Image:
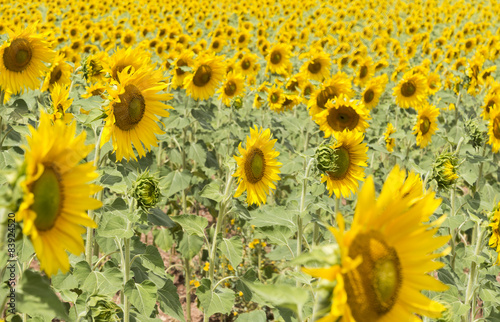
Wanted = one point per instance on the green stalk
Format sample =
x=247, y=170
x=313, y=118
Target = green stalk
x=187, y=267
x=126, y=267
x=90, y=231
x=454, y=231
x=471, y=284
x=480, y=168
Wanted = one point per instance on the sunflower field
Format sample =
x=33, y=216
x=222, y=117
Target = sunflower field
x=257, y=161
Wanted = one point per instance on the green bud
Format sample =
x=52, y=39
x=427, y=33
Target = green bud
x=444, y=170
x=446, y=315
x=237, y=103
x=102, y=309
x=326, y=158
x=474, y=133
x=146, y=191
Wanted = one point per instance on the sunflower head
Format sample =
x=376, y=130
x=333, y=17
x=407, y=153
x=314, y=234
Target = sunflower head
x=146, y=191
x=444, y=170
x=426, y=124
x=208, y=72
x=278, y=59
x=411, y=90
x=474, y=133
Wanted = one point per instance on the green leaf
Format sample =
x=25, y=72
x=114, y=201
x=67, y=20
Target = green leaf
x=190, y=245
x=24, y=249
x=37, y=298
x=152, y=260
x=272, y=216
x=254, y=316
x=159, y=218
x=212, y=191
x=107, y=282
x=142, y=296
x=192, y=224
x=197, y=153
x=220, y=300
x=163, y=238
x=175, y=181
x=232, y=249
x=278, y=235
x=169, y=301
x=114, y=226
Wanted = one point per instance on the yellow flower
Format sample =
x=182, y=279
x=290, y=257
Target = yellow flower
x=373, y=90
x=121, y=59
x=278, y=59
x=494, y=241
x=22, y=59
x=61, y=103
x=57, y=193
x=195, y=283
x=389, y=142
x=426, y=124
x=386, y=255
x=59, y=73
x=233, y=86
x=330, y=89
x=411, y=91
x=318, y=65
x=206, y=268
x=208, y=72
x=494, y=129
x=258, y=168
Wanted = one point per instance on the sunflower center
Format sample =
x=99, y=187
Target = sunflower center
x=48, y=198
x=368, y=95
x=342, y=159
x=202, y=76
x=292, y=86
x=55, y=75
x=131, y=108
x=328, y=93
x=408, y=89
x=345, y=117
x=363, y=71
x=496, y=127
x=425, y=125
x=315, y=66
x=241, y=39
x=275, y=57
x=119, y=69
x=230, y=88
x=255, y=165
x=373, y=287
x=17, y=56
x=489, y=105
x=245, y=64
x=274, y=98
x=179, y=70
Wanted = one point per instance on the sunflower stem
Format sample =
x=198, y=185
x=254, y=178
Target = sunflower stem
x=301, y=210
x=126, y=266
x=187, y=268
x=90, y=231
x=471, y=284
x=478, y=181
x=453, y=231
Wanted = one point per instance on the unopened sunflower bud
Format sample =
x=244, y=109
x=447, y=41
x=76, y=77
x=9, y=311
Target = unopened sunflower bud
x=326, y=158
x=445, y=170
x=102, y=309
x=474, y=133
x=237, y=103
x=146, y=191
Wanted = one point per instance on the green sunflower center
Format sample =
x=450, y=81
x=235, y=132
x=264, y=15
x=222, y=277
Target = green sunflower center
x=315, y=66
x=202, y=76
x=275, y=57
x=342, y=162
x=408, y=89
x=373, y=287
x=344, y=117
x=48, y=200
x=275, y=98
x=55, y=75
x=230, y=88
x=255, y=165
x=368, y=96
x=363, y=71
x=131, y=108
x=17, y=56
x=425, y=125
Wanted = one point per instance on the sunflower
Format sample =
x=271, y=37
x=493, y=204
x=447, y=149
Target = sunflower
x=342, y=114
x=96, y=89
x=133, y=110
x=275, y=98
x=208, y=72
x=22, y=59
x=57, y=193
x=490, y=101
x=233, y=86
x=426, y=124
x=181, y=66
x=332, y=88
x=61, y=103
x=494, y=128
x=411, y=90
x=247, y=64
x=433, y=83
x=59, y=73
x=258, y=168
x=123, y=58
x=278, y=59
x=386, y=255
x=389, y=142
x=350, y=156
x=373, y=90
x=365, y=71
x=494, y=241
x=317, y=67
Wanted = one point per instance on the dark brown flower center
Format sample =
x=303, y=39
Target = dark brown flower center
x=328, y=93
x=55, y=75
x=368, y=95
x=425, y=125
x=202, y=76
x=408, y=89
x=255, y=165
x=245, y=64
x=496, y=127
x=345, y=117
x=179, y=70
x=275, y=57
x=363, y=71
x=17, y=56
x=131, y=108
x=230, y=88
x=315, y=66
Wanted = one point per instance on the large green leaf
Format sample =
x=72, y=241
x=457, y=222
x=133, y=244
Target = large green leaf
x=278, y=235
x=220, y=300
x=37, y=298
x=163, y=238
x=192, y=224
x=212, y=191
x=169, y=301
x=232, y=249
x=114, y=226
x=142, y=296
x=107, y=282
x=175, y=181
x=190, y=245
x=152, y=260
x=254, y=316
x=197, y=153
